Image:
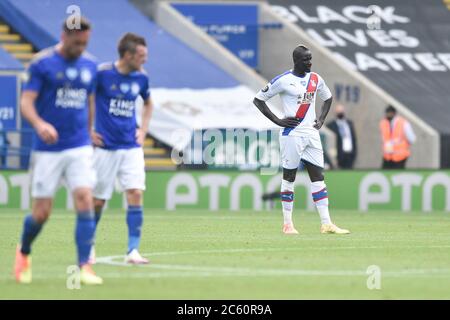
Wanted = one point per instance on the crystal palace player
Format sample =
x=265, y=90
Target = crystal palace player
x=300, y=139
x=55, y=101
x=119, y=142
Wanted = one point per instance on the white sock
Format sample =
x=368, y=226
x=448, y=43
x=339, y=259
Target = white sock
x=320, y=197
x=287, y=200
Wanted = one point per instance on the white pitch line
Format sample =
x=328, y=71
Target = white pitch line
x=109, y=259
x=176, y=270
x=424, y=273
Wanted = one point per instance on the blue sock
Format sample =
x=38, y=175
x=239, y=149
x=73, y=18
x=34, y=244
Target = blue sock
x=84, y=235
x=134, y=222
x=30, y=230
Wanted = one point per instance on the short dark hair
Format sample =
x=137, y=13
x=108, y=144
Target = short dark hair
x=297, y=50
x=390, y=109
x=300, y=46
x=128, y=42
x=85, y=25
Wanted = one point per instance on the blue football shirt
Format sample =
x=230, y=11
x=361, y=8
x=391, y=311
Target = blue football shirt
x=115, y=99
x=63, y=88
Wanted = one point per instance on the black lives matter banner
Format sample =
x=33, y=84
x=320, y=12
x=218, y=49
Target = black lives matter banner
x=403, y=46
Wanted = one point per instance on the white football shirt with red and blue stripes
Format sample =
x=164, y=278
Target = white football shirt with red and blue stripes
x=298, y=95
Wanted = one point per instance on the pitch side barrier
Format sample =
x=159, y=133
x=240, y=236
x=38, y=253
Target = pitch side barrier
x=233, y=190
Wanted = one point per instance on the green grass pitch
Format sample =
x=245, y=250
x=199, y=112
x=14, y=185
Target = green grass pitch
x=199, y=254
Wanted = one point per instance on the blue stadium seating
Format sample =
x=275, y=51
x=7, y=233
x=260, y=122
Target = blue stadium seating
x=171, y=63
x=8, y=62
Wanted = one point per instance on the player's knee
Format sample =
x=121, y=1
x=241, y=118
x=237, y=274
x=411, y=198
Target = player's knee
x=134, y=197
x=41, y=212
x=41, y=216
x=318, y=176
x=83, y=199
x=289, y=175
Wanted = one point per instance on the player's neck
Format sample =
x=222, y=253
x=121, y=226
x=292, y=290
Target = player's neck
x=298, y=73
x=61, y=50
x=122, y=67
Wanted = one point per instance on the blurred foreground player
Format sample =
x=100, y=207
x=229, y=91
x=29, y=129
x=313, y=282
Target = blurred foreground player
x=300, y=139
x=118, y=152
x=55, y=101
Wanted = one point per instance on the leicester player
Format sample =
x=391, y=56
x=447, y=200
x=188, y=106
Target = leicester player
x=55, y=101
x=300, y=139
x=118, y=153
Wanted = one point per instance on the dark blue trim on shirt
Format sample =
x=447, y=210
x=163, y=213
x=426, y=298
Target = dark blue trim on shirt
x=279, y=76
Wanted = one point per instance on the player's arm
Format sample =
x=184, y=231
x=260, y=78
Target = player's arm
x=147, y=112
x=273, y=88
x=326, y=106
x=324, y=94
x=95, y=136
x=265, y=110
x=44, y=129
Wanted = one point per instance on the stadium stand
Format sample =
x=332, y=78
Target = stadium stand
x=403, y=47
x=106, y=33
x=175, y=69
x=15, y=45
x=8, y=62
x=365, y=100
x=188, y=70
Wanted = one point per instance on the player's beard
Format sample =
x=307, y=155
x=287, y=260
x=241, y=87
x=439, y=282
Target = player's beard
x=73, y=54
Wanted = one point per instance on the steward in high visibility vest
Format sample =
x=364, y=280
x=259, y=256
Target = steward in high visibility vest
x=397, y=137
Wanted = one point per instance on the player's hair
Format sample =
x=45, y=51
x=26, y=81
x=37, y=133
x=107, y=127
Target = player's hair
x=128, y=42
x=84, y=25
x=390, y=109
x=300, y=46
x=297, y=50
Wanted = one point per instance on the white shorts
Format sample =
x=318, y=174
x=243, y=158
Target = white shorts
x=294, y=149
x=72, y=167
x=127, y=165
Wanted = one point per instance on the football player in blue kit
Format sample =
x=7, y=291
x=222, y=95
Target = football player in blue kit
x=56, y=99
x=118, y=153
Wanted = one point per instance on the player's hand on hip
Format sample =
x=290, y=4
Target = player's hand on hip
x=289, y=122
x=97, y=139
x=47, y=132
x=318, y=124
x=140, y=136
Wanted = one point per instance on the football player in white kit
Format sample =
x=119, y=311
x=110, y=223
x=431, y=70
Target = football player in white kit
x=299, y=138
